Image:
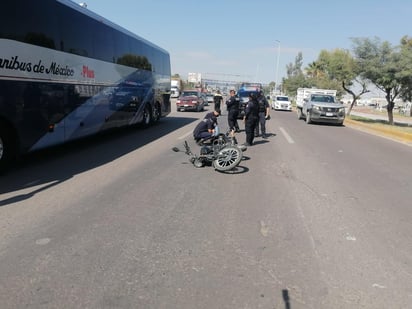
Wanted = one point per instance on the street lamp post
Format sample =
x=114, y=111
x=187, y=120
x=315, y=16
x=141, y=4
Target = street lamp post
x=277, y=65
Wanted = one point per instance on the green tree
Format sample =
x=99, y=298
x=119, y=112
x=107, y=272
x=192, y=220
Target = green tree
x=315, y=70
x=319, y=73
x=340, y=67
x=315, y=75
x=295, y=78
x=291, y=84
x=381, y=64
x=406, y=74
x=269, y=87
x=295, y=69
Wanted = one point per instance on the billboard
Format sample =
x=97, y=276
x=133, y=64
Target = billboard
x=194, y=77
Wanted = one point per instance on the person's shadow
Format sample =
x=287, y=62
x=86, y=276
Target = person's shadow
x=286, y=300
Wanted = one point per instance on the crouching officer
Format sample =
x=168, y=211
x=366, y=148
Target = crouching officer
x=207, y=127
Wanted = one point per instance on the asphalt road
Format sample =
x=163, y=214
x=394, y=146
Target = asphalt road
x=316, y=216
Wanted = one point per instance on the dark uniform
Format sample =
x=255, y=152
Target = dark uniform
x=232, y=105
x=263, y=113
x=205, y=128
x=251, y=119
x=217, y=99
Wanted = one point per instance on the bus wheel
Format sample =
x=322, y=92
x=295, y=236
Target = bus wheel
x=156, y=113
x=6, y=148
x=147, y=116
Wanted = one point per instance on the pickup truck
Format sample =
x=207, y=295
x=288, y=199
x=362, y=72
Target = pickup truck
x=323, y=108
x=304, y=93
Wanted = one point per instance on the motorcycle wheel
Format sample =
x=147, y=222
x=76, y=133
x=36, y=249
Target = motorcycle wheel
x=228, y=158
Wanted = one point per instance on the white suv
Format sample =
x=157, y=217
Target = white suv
x=281, y=102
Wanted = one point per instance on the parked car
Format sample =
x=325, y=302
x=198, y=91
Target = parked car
x=190, y=100
x=204, y=97
x=210, y=97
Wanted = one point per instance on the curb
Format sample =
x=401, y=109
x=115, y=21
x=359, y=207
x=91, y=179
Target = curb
x=396, y=135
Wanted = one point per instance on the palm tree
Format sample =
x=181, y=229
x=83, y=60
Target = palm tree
x=315, y=70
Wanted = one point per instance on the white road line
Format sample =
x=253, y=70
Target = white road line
x=287, y=136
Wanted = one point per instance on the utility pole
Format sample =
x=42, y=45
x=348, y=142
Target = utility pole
x=277, y=65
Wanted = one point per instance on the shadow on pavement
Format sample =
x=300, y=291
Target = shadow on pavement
x=40, y=170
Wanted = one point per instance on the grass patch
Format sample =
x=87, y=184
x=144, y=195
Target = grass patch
x=399, y=131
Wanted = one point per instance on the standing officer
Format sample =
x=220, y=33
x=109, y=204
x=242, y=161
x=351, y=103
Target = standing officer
x=264, y=110
x=232, y=105
x=251, y=119
x=217, y=99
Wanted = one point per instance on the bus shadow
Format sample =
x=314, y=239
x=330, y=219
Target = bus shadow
x=41, y=170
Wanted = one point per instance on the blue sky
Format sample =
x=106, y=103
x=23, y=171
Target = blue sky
x=240, y=40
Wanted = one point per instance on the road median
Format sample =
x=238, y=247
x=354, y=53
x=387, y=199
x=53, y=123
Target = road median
x=401, y=133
